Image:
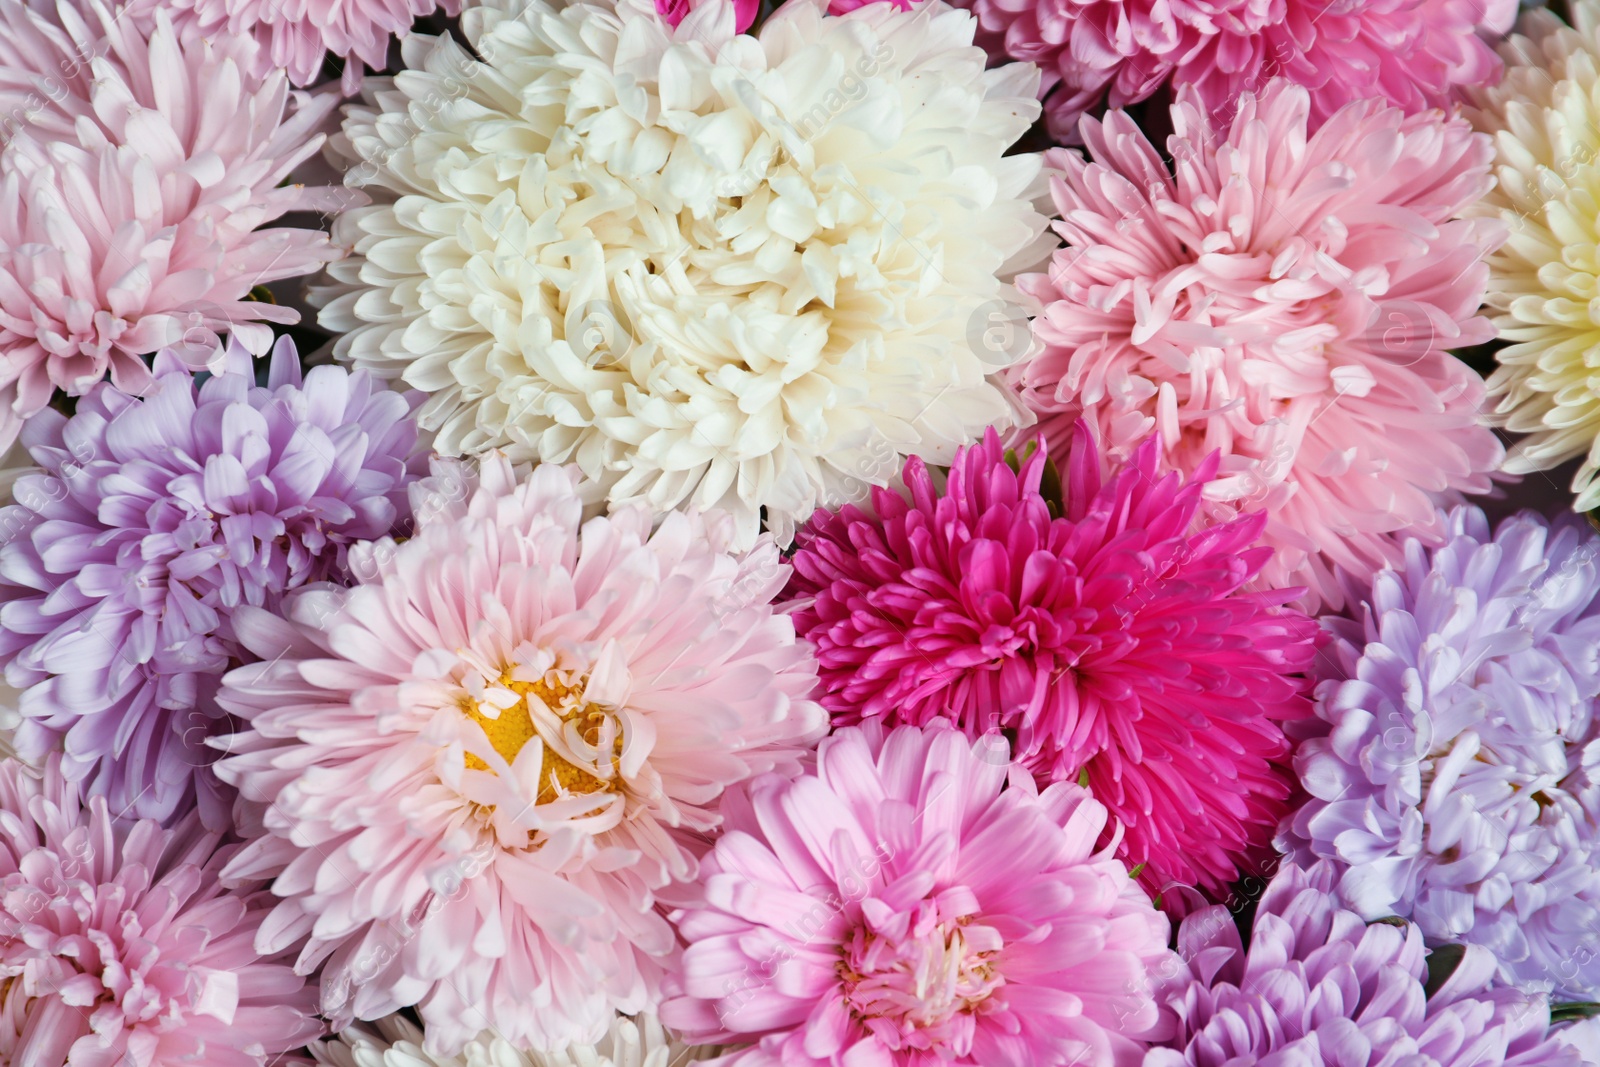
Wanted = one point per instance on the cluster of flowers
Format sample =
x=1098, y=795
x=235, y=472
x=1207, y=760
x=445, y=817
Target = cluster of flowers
x=776, y=565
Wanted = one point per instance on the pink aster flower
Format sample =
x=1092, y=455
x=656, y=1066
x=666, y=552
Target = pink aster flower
x=471, y=774
x=137, y=173
x=120, y=948
x=898, y=906
x=1010, y=605
x=1287, y=299
x=298, y=35
x=1412, y=53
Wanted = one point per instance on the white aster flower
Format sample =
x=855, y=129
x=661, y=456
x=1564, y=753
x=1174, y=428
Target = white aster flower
x=1545, y=118
x=638, y=1041
x=713, y=270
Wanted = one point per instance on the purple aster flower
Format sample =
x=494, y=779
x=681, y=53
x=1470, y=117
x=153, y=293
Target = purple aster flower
x=1318, y=987
x=1454, y=782
x=153, y=518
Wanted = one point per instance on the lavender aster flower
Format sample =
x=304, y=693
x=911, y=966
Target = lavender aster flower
x=152, y=519
x=1455, y=780
x=1320, y=988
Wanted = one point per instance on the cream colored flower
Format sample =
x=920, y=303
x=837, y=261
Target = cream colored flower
x=1545, y=281
x=396, y=1042
x=713, y=270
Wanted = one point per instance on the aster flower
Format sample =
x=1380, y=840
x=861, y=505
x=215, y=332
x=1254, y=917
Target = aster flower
x=1287, y=299
x=396, y=1042
x=895, y=906
x=1050, y=615
x=1317, y=987
x=1541, y=282
x=298, y=37
x=1413, y=54
x=137, y=172
x=717, y=271
x=675, y=10
x=118, y=945
x=481, y=762
x=1454, y=782
x=152, y=519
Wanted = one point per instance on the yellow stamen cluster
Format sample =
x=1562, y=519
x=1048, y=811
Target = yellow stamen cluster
x=514, y=728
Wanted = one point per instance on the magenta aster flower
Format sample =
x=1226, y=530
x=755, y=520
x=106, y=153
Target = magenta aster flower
x=298, y=35
x=474, y=771
x=1054, y=616
x=120, y=948
x=675, y=10
x=897, y=906
x=151, y=520
x=135, y=185
x=1412, y=53
x=1287, y=299
x=1318, y=987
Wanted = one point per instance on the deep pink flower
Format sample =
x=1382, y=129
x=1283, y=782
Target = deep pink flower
x=897, y=908
x=1285, y=297
x=674, y=11
x=120, y=948
x=1413, y=53
x=1093, y=627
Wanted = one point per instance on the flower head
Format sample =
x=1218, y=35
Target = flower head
x=297, y=38
x=1455, y=779
x=1318, y=987
x=138, y=171
x=715, y=271
x=1008, y=604
x=395, y=1042
x=1284, y=298
x=673, y=11
x=476, y=768
x=151, y=520
x=897, y=906
x=1413, y=54
x=120, y=948
x=1543, y=117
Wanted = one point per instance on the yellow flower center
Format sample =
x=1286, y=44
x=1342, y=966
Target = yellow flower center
x=514, y=728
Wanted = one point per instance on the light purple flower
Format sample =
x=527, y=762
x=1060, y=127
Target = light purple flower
x=152, y=519
x=1318, y=987
x=1455, y=780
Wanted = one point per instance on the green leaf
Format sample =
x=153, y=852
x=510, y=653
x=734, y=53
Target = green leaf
x=1586, y=1009
x=1442, y=963
x=1050, y=488
x=1135, y=872
x=1390, y=920
x=261, y=295
x=1083, y=776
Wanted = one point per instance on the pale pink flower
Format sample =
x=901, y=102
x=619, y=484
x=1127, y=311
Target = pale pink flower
x=136, y=173
x=296, y=36
x=910, y=904
x=119, y=947
x=471, y=774
x=1288, y=299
